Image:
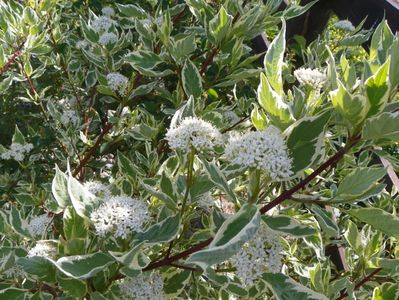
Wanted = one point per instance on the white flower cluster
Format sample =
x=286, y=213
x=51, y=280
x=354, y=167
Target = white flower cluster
x=37, y=226
x=43, y=248
x=108, y=38
x=193, y=132
x=14, y=272
x=17, y=151
x=117, y=82
x=102, y=23
x=69, y=117
x=108, y=11
x=98, y=189
x=264, y=150
x=261, y=254
x=143, y=287
x=344, y=25
x=311, y=77
x=120, y=215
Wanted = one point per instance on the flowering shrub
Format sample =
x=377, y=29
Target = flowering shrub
x=147, y=153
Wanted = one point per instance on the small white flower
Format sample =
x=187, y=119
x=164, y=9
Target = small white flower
x=144, y=287
x=108, y=11
x=310, y=77
x=193, y=132
x=117, y=82
x=261, y=254
x=344, y=25
x=17, y=151
x=38, y=225
x=98, y=189
x=44, y=248
x=14, y=272
x=264, y=150
x=83, y=44
x=120, y=215
x=69, y=117
x=108, y=38
x=102, y=23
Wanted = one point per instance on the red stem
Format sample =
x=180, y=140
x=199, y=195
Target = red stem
x=360, y=283
x=208, y=60
x=11, y=60
x=106, y=128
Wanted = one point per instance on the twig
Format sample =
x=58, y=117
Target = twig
x=360, y=283
x=106, y=128
x=208, y=60
x=12, y=59
x=234, y=125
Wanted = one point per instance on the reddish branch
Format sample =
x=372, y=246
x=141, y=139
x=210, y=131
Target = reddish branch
x=360, y=283
x=106, y=128
x=11, y=60
x=284, y=196
x=208, y=60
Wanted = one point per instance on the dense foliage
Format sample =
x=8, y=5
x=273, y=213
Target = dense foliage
x=148, y=153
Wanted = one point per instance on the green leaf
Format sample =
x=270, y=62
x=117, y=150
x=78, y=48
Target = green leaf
x=131, y=10
x=358, y=182
x=353, y=238
x=288, y=225
x=38, y=266
x=127, y=167
x=105, y=90
x=169, y=202
x=25, y=199
x=378, y=219
x=385, y=126
x=175, y=282
x=133, y=259
x=18, y=224
x=40, y=49
x=84, y=266
x=143, y=60
x=218, y=178
x=394, y=67
x=219, y=26
x=164, y=231
x=285, y=288
x=306, y=140
x=234, y=232
x=273, y=61
x=74, y=225
x=325, y=220
x=18, y=137
x=183, y=47
x=377, y=89
x=386, y=291
x=59, y=188
x=353, y=108
x=276, y=109
x=191, y=80
x=73, y=287
x=82, y=200
x=13, y=293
